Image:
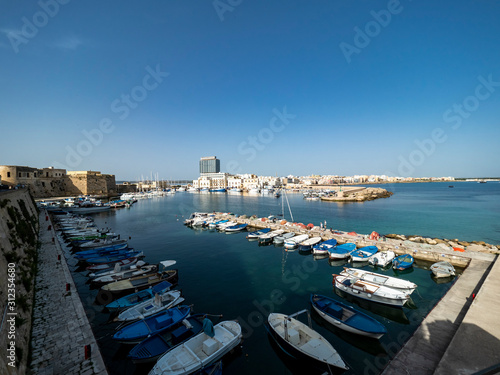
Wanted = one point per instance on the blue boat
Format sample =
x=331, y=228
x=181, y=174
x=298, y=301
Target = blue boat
x=150, y=349
x=221, y=190
x=116, y=246
x=258, y=233
x=346, y=317
x=402, y=262
x=341, y=251
x=138, y=297
x=114, y=258
x=324, y=247
x=136, y=332
x=364, y=254
x=236, y=228
x=101, y=253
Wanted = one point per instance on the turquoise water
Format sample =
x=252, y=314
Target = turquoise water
x=226, y=274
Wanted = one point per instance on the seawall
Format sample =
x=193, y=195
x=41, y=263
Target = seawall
x=18, y=263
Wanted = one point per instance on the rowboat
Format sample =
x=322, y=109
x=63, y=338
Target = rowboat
x=402, y=262
x=137, y=283
x=159, y=302
x=199, y=351
x=114, y=258
x=236, y=228
x=293, y=242
x=370, y=291
x=153, y=347
x=300, y=341
x=442, y=269
x=324, y=247
x=118, y=273
x=135, y=332
x=380, y=279
x=308, y=244
x=110, y=265
x=82, y=255
x=257, y=233
x=347, y=318
x=282, y=238
x=103, y=244
x=138, y=297
x=341, y=251
x=269, y=237
x=363, y=254
x=382, y=258
x=214, y=224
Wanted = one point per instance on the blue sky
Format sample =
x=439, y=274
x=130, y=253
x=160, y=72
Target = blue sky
x=270, y=87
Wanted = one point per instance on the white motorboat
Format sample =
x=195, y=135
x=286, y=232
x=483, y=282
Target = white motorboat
x=443, y=269
x=379, y=279
x=382, y=258
x=159, y=302
x=293, y=242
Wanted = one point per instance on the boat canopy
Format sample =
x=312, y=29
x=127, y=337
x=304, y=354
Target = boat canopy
x=164, y=285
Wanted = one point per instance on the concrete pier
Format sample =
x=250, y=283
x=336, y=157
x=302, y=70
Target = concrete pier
x=60, y=330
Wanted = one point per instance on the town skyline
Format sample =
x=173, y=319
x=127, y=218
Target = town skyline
x=395, y=88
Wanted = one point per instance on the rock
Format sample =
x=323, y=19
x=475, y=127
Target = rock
x=417, y=239
x=430, y=241
x=463, y=243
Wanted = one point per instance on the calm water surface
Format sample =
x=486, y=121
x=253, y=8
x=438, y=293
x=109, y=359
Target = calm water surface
x=226, y=274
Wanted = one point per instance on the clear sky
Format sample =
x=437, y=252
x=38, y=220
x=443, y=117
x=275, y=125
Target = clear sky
x=270, y=87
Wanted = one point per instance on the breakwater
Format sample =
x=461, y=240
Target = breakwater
x=400, y=245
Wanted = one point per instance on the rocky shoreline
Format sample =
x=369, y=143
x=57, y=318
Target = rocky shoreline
x=365, y=194
x=455, y=244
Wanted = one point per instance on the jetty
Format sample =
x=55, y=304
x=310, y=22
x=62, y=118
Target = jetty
x=461, y=334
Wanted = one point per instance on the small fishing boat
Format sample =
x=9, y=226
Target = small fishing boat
x=269, y=237
x=214, y=224
x=256, y=234
x=347, y=318
x=382, y=258
x=120, y=272
x=364, y=254
x=324, y=247
x=137, y=283
x=342, y=251
x=443, y=269
x=114, y=258
x=308, y=244
x=159, y=302
x=103, y=244
x=138, y=297
x=222, y=227
x=370, y=291
x=300, y=341
x=380, y=279
x=153, y=347
x=200, y=351
x=111, y=265
x=282, y=238
x=135, y=332
x=236, y=228
x=82, y=255
x=293, y=242
x=402, y=262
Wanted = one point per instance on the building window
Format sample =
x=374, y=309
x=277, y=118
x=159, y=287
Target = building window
x=8, y=174
x=43, y=184
x=46, y=174
x=19, y=174
x=34, y=174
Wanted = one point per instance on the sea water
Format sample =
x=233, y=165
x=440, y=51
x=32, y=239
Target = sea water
x=227, y=274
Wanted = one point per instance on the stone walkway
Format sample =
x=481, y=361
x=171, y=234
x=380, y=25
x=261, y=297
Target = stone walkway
x=60, y=328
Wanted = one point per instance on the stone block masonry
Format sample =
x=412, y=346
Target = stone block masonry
x=60, y=328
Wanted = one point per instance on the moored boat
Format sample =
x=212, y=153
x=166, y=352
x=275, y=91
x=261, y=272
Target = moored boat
x=269, y=237
x=380, y=279
x=138, y=297
x=293, y=242
x=154, y=305
x=363, y=254
x=346, y=317
x=324, y=247
x=341, y=251
x=370, y=291
x=308, y=244
x=442, y=269
x=382, y=258
x=199, y=351
x=402, y=262
x=283, y=237
x=236, y=228
x=256, y=234
x=300, y=341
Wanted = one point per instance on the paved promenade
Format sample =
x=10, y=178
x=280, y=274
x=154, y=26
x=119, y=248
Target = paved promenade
x=60, y=328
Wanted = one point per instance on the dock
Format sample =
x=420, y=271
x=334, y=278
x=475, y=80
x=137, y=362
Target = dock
x=62, y=340
x=461, y=334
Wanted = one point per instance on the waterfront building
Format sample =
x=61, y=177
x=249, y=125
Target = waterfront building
x=212, y=181
x=53, y=182
x=209, y=164
x=234, y=182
